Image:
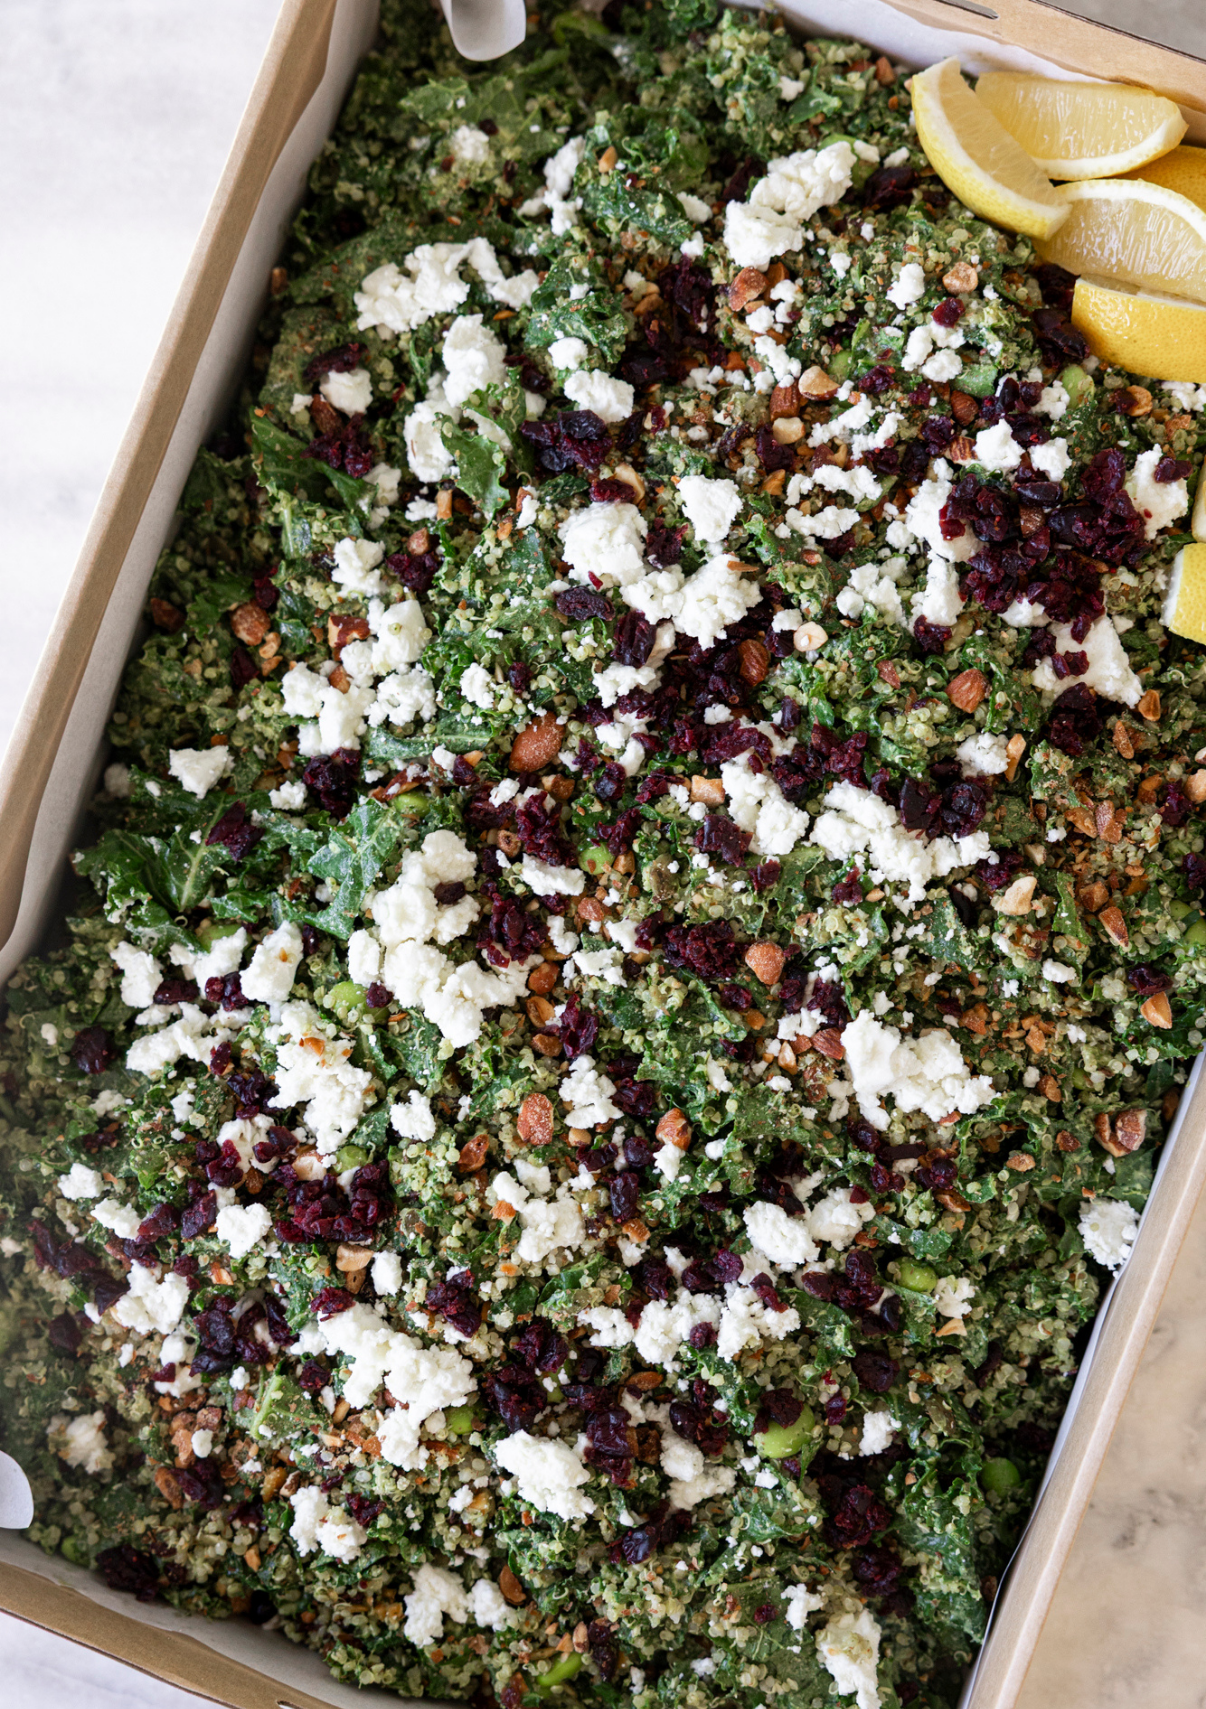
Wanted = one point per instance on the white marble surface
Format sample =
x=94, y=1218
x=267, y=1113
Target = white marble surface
x=115, y=116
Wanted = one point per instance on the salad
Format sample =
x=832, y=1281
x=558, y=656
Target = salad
x=641, y=934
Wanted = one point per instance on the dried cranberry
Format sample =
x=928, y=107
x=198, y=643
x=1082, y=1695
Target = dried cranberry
x=1171, y=469
x=719, y=835
x=128, y=1569
x=92, y=1050
x=875, y=1371
x=625, y=1194
x=332, y=779
x=580, y=603
x=663, y=544
x=243, y=668
x=328, y=1302
x=950, y=311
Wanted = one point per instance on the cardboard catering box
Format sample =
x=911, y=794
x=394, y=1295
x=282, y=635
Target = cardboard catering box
x=56, y=753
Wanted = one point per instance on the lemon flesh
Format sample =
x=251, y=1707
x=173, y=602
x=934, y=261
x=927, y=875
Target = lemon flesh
x=1161, y=337
x=1134, y=233
x=1082, y=130
x=977, y=159
x=1185, y=603
x=1197, y=522
x=1182, y=170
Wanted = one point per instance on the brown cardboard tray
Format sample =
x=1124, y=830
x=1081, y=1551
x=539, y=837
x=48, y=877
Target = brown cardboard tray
x=54, y=758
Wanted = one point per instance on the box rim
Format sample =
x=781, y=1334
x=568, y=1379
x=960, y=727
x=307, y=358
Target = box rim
x=28, y=758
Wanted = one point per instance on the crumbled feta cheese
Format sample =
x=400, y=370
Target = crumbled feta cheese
x=81, y=1441
x=549, y=1474
x=314, y=1070
x=198, y=769
x=878, y=1428
x=413, y=1119
x=996, y=448
x=801, y=1602
x=953, y=1296
x=858, y=822
x=477, y=686
x=395, y=303
x=240, y=1227
x=1052, y=459
x=473, y=358
x=1159, y=503
x=772, y=221
x=356, y=566
x=701, y=606
x=273, y=968
x=982, y=755
x=80, y=1182
x=784, y=1239
x=848, y=1649
x=927, y=1073
x=908, y=287
x=1108, y=1228
x=141, y=975
x=318, y=1525
x=610, y=399
x=290, y=797
x=606, y=541
x=151, y=1305
x=352, y=392
x=1109, y=670
x=711, y=506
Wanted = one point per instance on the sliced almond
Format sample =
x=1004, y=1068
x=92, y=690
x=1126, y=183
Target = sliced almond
x=967, y=689
x=674, y=1129
x=808, y=638
x=748, y=285
x=1149, y=706
x=1157, y=1012
x=1114, y=925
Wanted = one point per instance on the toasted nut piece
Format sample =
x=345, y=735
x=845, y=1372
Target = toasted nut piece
x=787, y=430
x=165, y=616
x=548, y=1044
x=542, y=979
x=674, y=1129
x=350, y=1258
x=625, y=863
x=808, y=638
x=774, y=482
x=444, y=504
x=340, y=679
x=219, y=1274
x=967, y=689
x=538, y=745
x=1148, y=789
x=168, y=1485
x=534, y=1123
x=754, y=1020
x=1114, y=925
x=504, y=1211
x=342, y=629
x=1169, y=1103
x=815, y=383
x=1156, y=1011
x=765, y=961
x=1016, y=900
x=540, y=1011
x=626, y=473
x=975, y=1019
x=962, y=450
x=748, y=284
x=1130, y=1130
x=952, y=1201
x=1082, y=820
x=1021, y=1161
x=509, y=843
x=787, y=1059
x=965, y=409
x=473, y=1153
x=960, y=279
x=607, y=160
x=590, y=908
x=755, y=662
x=581, y=1645
x=887, y=672
x=829, y=1042
x=784, y=402
x=709, y=790
x=1065, y=1141
x=1195, y=787
x=250, y=623
x=1049, y=1087
x=1093, y=897
x=1149, y=706
x=1121, y=738
x=274, y=1477
x=1015, y=747
x=277, y=280
x=884, y=73
x=511, y=1587
x=952, y=1326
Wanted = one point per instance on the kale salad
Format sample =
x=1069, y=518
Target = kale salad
x=640, y=940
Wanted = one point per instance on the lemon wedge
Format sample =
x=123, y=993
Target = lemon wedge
x=1082, y=130
x=1185, y=602
x=976, y=157
x=1131, y=232
x=1197, y=522
x=1161, y=337
x=1182, y=170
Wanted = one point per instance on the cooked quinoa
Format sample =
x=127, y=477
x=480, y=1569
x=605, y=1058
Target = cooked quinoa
x=640, y=938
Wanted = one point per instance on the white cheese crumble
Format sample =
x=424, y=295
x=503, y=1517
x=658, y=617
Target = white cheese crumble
x=1159, y=503
x=240, y=1227
x=273, y=968
x=848, y=1649
x=549, y=1474
x=1108, y=1228
x=1109, y=670
x=711, y=506
x=927, y=1073
x=81, y=1441
x=610, y=399
x=198, y=769
x=857, y=822
x=878, y=1428
x=394, y=301
x=772, y=221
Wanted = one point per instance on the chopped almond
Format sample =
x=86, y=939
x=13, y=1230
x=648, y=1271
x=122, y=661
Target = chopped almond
x=1015, y=747
x=1149, y=706
x=829, y=1042
x=765, y=961
x=674, y=1129
x=709, y=790
x=1121, y=738
x=1157, y=1011
x=967, y=689
x=1016, y=900
x=815, y=383
x=960, y=279
x=250, y=623
x=473, y=1153
x=784, y=401
x=538, y=745
x=1114, y=925
x=748, y=285
x=534, y=1123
